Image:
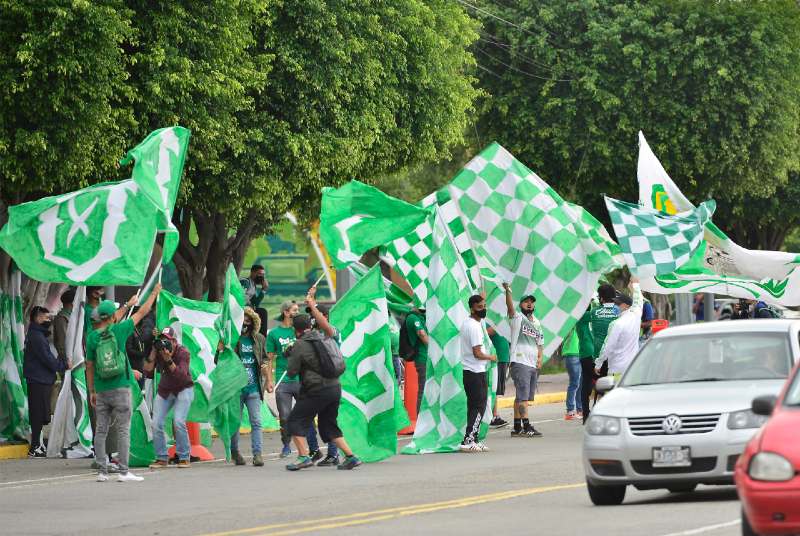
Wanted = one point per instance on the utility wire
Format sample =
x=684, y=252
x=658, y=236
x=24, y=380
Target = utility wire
x=520, y=71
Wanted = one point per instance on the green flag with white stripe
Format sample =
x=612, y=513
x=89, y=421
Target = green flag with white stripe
x=14, y=423
x=371, y=411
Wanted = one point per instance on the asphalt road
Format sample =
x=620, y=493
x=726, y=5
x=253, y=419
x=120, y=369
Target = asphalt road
x=523, y=486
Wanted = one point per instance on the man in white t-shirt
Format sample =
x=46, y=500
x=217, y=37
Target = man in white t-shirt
x=527, y=348
x=474, y=361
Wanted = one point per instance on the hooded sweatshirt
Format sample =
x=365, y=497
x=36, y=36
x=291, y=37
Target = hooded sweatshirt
x=40, y=365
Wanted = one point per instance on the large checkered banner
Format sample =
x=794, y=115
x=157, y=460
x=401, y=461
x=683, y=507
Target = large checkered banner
x=521, y=230
x=654, y=243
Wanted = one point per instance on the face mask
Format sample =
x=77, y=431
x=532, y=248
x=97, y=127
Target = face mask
x=481, y=313
x=246, y=328
x=46, y=324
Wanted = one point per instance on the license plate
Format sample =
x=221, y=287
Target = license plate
x=672, y=457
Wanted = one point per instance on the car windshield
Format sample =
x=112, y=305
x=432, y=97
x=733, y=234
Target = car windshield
x=711, y=357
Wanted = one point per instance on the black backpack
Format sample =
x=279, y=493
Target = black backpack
x=331, y=360
x=406, y=350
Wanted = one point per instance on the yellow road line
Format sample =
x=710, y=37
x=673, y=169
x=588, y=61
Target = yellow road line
x=361, y=518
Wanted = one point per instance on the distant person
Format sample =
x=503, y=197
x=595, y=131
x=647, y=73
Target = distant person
x=140, y=344
x=60, y=325
x=94, y=296
x=597, y=319
x=474, y=361
x=744, y=309
x=648, y=314
x=417, y=333
x=622, y=341
x=39, y=368
x=255, y=290
x=570, y=351
x=279, y=339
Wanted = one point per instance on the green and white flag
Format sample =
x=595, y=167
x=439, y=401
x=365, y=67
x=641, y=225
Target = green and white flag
x=14, y=423
x=371, y=411
x=443, y=414
x=159, y=161
x=398, y=300
x=654, y=243
x=358, y=217
x=142, y=451
x=196, y=327
x=719, y=265
x=233, y=304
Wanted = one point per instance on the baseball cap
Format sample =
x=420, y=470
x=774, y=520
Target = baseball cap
x=528, y=297
x=623, y=298
x=106, y=309
x=168, y=333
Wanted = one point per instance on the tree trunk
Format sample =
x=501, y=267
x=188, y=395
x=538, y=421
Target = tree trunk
x=225, y=249
x=190, y=259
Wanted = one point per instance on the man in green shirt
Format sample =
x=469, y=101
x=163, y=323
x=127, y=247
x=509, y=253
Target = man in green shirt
x=279, y=339
x=598, y=319
x=111, y=395
x=418, y=338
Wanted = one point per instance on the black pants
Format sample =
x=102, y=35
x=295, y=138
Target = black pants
x=323, y=404
x=587, y=378
x=477, y=393
x=38, y=409
x=420, y=366
x=502, y=370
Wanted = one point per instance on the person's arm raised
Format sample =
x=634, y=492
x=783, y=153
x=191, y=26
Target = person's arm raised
x=147, y=305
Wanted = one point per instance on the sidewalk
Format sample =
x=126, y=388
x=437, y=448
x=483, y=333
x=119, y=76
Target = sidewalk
x=551, y=389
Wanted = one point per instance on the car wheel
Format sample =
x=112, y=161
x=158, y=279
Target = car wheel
x=606, y=495
x=682, y=488
x=747, y=530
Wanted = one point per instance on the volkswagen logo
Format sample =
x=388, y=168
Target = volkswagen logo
x=671, y=424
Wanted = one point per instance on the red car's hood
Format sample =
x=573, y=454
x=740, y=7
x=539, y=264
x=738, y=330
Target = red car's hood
x=781, y=434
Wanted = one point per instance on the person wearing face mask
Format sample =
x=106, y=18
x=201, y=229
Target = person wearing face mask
x=251, y=349
x=39, y=368
x=279, y=339
x=527, y=349
x=94, y=295
x=474, y=361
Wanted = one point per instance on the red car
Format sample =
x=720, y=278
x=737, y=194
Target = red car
x=767, y=473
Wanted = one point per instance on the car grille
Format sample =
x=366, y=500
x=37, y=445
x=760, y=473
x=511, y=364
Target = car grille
x=691, y=424
x=699, y=465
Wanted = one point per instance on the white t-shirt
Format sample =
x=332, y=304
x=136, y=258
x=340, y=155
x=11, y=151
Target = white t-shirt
x=471, y=336
x=529, y=337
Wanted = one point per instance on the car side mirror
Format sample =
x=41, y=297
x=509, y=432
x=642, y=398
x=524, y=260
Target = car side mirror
x=764, y=405
x=604, y=384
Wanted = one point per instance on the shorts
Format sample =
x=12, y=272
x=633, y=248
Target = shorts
x=502, y=369
x=525, y=378
x=322, y=404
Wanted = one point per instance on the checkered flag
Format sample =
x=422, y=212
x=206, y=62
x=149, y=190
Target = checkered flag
x=654, y=243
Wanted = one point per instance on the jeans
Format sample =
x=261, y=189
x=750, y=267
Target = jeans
x=113, y=406
x=162, y=405
x=253, y=403
x=573, y=364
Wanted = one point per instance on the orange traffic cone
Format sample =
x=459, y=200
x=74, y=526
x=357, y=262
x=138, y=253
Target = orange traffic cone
x=198, y=451
x=410, y=397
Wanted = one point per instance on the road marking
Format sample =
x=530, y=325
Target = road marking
x=707, y=528
x=361, y=518
x=46, y=479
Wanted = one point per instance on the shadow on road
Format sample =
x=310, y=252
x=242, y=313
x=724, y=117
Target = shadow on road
x=722, y=494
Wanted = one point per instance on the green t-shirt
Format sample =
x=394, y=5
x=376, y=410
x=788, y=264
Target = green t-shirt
x=501, y=347
x=600, y=318
x=414, y=323
x=585, y=340
x=571, y=346
x=278, y=339
x=87, y=320
x=250, y=365
x=121, y=331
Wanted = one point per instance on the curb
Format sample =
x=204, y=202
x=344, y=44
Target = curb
x=505, y=402
x=13, y=452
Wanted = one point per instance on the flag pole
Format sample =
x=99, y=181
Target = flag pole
x=281, y=379
x=320, y=278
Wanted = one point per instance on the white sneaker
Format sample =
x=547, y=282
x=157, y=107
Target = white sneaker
x=102, y=477
x=128, y=477
x=482, y=446
x=469, y=447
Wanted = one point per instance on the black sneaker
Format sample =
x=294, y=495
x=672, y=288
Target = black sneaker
x=498, y=422
x=531, y=432
x=302, y=463
x=38, y=452
x=350, y=462
x=518, y=433
x=329, y=461
x=316, y=455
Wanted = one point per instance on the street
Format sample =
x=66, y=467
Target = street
x=523, y=486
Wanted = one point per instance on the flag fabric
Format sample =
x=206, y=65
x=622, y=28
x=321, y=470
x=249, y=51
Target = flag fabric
x=358, y=217
x=397, y=299
x=719, y=265
x=14, y=423
x=233, y=304
x=371, y=411
x=654, y=243
x=196, y=327
x=443, y=414
x=71, y=429
x=142, y=451
x=158, y=167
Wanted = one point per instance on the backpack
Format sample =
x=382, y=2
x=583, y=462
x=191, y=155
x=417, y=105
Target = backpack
x=109, y=361
x=407, y=350
x=331, y=360
x=771, y=311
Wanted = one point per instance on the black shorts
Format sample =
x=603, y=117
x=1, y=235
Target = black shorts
x=323, y=404
x=502, y=369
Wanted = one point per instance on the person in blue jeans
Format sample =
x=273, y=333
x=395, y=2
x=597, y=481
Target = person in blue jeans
x=570, y=351
x=175, y=392
x=251, y=349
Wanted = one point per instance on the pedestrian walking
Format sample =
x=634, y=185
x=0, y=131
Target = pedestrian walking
x=570, y=351
x=108, y=377
x=474, y=361
x=527, y=354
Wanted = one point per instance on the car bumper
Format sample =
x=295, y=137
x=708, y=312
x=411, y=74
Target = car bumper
x=713, y=456
x=771, y=507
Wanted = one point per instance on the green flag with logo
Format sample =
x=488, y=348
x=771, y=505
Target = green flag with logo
x=358, y=217
x=371, y=411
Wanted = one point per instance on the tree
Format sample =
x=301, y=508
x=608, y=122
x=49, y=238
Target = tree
x=63, y=112
x=715, y=86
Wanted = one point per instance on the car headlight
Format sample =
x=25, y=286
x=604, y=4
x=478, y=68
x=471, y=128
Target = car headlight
x=771, y=467
x=602, y=425
x=739, y=420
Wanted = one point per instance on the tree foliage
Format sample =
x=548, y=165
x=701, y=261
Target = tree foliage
x=715, y=86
